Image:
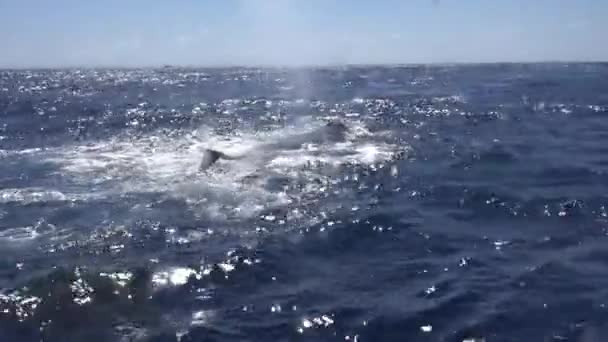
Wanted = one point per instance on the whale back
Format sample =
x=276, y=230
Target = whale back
x=331, y=132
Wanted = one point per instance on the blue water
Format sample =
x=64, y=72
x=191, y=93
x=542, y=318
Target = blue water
x=465, y=203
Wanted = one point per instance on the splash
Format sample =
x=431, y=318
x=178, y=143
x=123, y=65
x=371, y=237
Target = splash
x=154, y=173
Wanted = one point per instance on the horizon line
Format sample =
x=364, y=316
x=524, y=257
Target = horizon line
x=293, y=66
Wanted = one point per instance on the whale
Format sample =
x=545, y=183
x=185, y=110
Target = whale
x=210, y=156
x=333, y=131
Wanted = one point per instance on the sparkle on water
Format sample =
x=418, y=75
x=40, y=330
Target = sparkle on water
x=467, y=190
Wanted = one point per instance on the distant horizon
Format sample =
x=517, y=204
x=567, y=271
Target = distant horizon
x=294, y=66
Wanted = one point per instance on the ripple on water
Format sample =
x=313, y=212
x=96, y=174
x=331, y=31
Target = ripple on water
x=466, y=204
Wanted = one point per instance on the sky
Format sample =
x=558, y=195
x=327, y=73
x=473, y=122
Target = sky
x=140, y=33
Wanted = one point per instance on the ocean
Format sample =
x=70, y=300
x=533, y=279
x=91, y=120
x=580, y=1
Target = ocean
x=462, y=203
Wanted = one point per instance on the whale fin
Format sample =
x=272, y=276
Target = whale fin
x=211, y=156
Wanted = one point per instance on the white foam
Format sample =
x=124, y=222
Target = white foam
x=176, y=276
x=168, y=165
x=18, y=234
x=30, y=195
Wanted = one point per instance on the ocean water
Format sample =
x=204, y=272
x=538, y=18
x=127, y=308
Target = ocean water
x=464, y=203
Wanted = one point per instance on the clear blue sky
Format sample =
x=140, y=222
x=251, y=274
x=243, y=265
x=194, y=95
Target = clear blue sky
x=43, y=33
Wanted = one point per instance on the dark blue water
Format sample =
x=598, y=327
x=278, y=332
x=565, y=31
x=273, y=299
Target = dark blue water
x=466, y=203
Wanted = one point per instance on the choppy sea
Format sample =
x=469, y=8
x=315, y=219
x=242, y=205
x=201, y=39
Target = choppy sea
x=465, y=203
